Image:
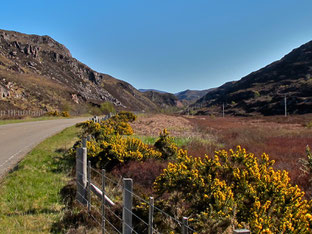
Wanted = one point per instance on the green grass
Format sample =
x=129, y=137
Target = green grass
x=31, y=119
x=29, y=196
x=150, y=140
x=10, y=121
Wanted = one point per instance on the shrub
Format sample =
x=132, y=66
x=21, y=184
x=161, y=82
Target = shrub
x=118, y=150
x=124, y=116
x=306, y=164
x=53, y=113
x=309, y=124
x=57, y=113
x=110, y=147
x=65, y=114
x=143, y=173
x=107, y=107
x=165, y=144
x=118, y=124
x=236, y=185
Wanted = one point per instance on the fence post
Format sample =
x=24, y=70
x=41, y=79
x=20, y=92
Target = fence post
x=241, y=231
x=127, y=206
x=89, y=186
x=103, y=201
x=184, y=225
x=81, y=174
x=150, y=215
x=84, y=142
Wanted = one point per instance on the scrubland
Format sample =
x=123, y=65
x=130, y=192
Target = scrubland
x=222, y=173
x=284, y=139
x=210, y=169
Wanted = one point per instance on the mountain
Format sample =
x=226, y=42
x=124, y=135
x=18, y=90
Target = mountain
x=263, y=91
x=180, y=99
x=155, y=90
x=163, y=100
x=190, y=96
x=36, y=72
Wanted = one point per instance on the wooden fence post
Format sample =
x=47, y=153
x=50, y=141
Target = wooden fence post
x=150, y=215
x=103, y=201
x=127, y=206
x=89, y=186
x=81, y=174
x=184, y=225
x=84, y=142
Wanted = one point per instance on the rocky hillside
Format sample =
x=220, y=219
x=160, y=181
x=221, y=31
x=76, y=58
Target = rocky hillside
x=36, y=72
x=263, y=91
x=163, y=99
x=183, y=98
x=190, y=96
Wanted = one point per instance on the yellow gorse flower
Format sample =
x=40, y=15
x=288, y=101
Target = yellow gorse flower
x=237, y=180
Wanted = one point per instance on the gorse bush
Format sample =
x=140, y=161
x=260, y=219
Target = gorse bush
x=57, y=113
x=231, y=189
x=117, y=150
x=106, y=128
x=238, y=186
x=165, y=144
x=110, y=146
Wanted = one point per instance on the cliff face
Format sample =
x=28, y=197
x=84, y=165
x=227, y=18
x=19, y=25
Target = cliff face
x=263, y=91
x=39, y=72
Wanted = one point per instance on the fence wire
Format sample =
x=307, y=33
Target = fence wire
x=108, y=215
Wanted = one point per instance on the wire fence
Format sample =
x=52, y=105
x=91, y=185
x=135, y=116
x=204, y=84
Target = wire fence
x=21, y=113
x=116, y=205
x=121, y=216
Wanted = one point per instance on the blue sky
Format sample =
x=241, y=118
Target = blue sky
x=170, y=45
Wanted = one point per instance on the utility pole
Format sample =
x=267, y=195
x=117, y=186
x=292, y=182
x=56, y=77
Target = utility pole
x=285, y=103
x=223, y=109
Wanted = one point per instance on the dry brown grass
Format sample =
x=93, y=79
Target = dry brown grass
x=284, y=139
x=152, y=125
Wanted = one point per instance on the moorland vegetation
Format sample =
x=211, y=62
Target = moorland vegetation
x=232, y=188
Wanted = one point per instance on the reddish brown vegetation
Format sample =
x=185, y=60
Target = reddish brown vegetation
x=142, y=173
x=284, y=139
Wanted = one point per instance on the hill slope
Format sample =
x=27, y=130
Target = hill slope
x=190, y=96
x=163, y=100
x=263, y=91
x=36, y=72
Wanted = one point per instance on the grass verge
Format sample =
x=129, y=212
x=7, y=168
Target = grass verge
x=28, y=119
x=31, y=119
x=29, y=196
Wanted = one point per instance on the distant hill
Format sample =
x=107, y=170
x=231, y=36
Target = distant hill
x=190, y=96
x=163, y=100
x=263, y=91
x=155, y=90
x=183, y=98
x=36, y=72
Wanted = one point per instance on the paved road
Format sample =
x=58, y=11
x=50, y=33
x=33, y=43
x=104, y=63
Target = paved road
x=16, y=140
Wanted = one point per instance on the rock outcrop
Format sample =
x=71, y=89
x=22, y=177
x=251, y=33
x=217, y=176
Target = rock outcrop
x=46, y=74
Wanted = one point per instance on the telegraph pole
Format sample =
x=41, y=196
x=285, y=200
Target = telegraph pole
x=223, y=109
x=285, y=103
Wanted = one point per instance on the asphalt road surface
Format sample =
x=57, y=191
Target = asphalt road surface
x=16, y=140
